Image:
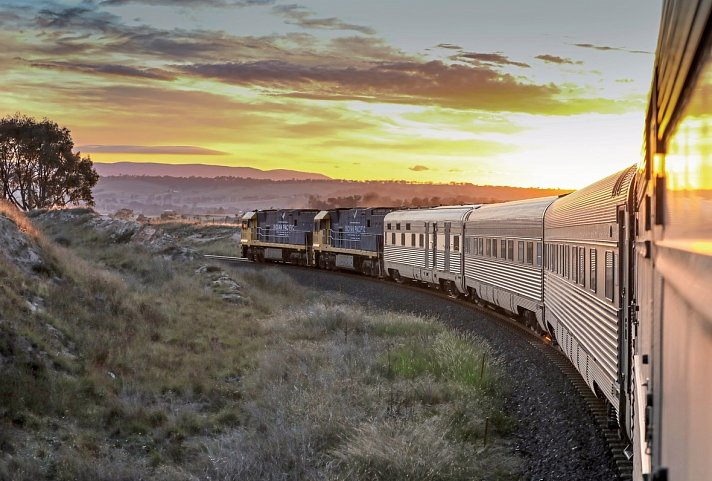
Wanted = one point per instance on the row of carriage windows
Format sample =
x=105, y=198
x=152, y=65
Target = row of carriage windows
x=511, y=250
x=389, y=226
x=417, y=240
x=570, y=262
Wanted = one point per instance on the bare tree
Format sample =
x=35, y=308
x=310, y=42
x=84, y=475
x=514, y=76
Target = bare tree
x=38, y=167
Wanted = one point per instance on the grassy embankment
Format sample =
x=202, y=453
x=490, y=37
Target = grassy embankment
x=128, y=366
x=216, y=239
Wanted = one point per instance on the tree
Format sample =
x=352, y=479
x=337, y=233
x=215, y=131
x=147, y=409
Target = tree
x=38, y=167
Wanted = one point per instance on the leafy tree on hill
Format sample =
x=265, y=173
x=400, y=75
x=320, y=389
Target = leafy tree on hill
x=38, y=167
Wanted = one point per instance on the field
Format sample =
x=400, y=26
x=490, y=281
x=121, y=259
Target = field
x=119, y=363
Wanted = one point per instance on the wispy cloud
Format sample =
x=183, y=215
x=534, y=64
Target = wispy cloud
x=449, y=46
x=556, y=59
x=606, y=48
x=303, y=17
x=490, y=58
x=409, y=82
x=418, y=168
x=149, y=149
x=107, y=69
x=190, y=3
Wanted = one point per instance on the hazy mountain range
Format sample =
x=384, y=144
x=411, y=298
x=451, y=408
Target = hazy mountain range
x=152, y=195
x=199, y=170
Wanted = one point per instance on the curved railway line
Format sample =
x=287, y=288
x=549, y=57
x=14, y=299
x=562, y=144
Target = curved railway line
x=511, y=329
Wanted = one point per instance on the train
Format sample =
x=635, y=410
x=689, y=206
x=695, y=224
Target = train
x=617, y=273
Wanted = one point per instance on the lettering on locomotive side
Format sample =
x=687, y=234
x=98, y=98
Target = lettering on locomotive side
x=283, y=229
x=355, y=229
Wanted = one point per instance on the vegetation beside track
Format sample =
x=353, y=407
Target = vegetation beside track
x=119, y=363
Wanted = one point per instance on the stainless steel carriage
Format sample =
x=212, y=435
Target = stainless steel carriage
x=672, y=359
x=587, y=284
x=426, y=245
x=503, y=254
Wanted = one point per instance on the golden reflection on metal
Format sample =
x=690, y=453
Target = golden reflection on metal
x=658, y=163
x=692, y=246
x=688, y=170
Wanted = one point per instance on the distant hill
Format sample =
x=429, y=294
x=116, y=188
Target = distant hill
x=199, y=170
x=228, y=195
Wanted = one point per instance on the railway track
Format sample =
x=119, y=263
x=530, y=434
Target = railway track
x=596, y=407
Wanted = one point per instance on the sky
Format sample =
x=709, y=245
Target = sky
x=548, y=93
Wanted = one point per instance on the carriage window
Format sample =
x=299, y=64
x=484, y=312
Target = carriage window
x=402, y=239
x=593, y=281
x=557, y=259
x=503, y=250
x=539, y=254
x=295, y=222
x=574, y=262
x=567, y=260
x=393, y=238
x=480, y=246
x=422, y=240
x=456, y=243
x=510, y=250
x=530, y=253
x=368, y=222
x=388, y=226
x=582, y=266
x=610, y=264
x=398, y=226
x=488, y=247
x=412, y=240
x=494, y=247
x=520, y=251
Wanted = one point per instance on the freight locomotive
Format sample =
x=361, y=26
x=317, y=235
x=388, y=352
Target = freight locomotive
x=618, y=273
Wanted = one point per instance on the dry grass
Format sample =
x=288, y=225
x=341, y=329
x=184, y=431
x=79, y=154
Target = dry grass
x=129, y=367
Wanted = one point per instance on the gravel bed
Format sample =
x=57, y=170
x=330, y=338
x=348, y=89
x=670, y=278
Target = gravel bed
x=556, y=437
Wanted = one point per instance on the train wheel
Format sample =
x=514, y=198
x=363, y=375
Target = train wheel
x=451, y=290
x=474, y=297
x=397, y=277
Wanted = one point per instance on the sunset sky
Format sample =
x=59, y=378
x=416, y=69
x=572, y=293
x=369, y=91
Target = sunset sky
x=547, y=93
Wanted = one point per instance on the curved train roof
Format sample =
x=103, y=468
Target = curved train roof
x=436, y=214
x=527, y=211
x=595, y=204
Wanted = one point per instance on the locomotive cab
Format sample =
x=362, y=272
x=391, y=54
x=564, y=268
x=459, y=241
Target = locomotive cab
x=322, y=225
x=247, y=231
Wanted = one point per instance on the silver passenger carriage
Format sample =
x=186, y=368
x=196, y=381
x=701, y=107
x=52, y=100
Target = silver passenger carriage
x=350, y=239
x=672, y=362
x=283, y=235
x=426, y=245
x=504, y=256
x=587, y=283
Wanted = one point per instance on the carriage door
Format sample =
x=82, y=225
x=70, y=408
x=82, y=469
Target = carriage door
x=434, y=245
x=624, y=321
x=424, y=247
x=448, y=225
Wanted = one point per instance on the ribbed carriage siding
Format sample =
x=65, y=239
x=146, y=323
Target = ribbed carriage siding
x=512, y=279
x=426, y=244
x=582, y=304
x=349, y=237
x=673, y=348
